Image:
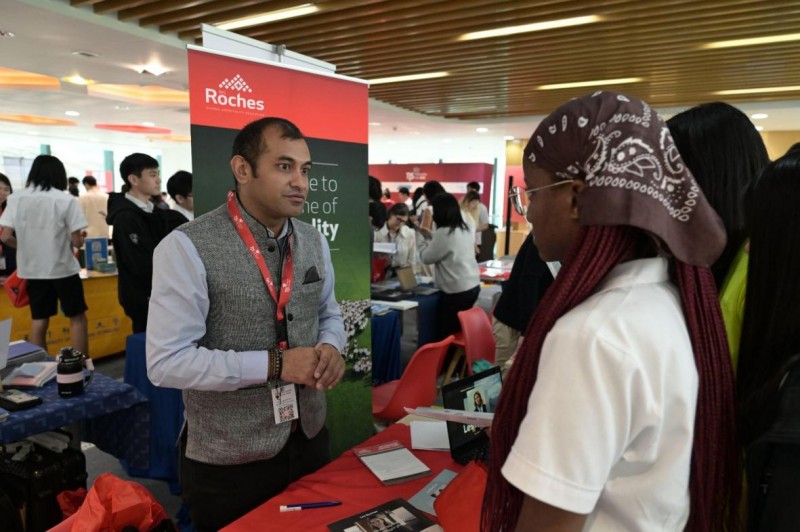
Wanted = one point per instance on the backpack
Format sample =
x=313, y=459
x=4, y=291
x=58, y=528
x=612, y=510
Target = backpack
x=773, y=467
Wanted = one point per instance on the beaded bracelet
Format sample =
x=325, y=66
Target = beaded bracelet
x=275, y=363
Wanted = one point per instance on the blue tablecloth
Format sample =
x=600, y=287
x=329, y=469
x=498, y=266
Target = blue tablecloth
x=386, y=363
x=113, y=415
x=166, y=416
x=426, y=318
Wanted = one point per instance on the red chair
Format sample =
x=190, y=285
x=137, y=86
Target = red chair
x=478, y=336
x=416, y=387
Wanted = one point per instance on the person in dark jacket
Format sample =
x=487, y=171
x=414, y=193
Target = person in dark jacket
x=139, y=225
x=526, y=284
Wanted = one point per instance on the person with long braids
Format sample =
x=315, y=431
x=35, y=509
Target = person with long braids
x=619, y=411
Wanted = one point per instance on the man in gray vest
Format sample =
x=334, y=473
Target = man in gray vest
x=244, y=320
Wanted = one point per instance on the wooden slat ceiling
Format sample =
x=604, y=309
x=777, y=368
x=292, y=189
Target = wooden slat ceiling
x=658, y=41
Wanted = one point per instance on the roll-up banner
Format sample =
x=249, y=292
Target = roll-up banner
x=228, y=91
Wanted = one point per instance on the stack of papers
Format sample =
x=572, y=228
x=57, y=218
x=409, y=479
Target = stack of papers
x=429, y=436
x=31, y=374
x=391, y=462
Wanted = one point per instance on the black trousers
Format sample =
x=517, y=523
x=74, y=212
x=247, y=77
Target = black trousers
x=449, y=307
x=217, y=495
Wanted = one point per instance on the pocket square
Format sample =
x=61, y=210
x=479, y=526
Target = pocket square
x=311, y=276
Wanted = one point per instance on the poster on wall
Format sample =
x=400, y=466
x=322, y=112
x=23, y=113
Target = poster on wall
x=226, y=93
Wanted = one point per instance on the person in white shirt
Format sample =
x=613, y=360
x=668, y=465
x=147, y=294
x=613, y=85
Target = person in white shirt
x=450, y=249
x=405, y=196
x=95, y=208
x=48, y=223
x=179, y=187
x=396, y=230
x=476, y=214
x=618, y=412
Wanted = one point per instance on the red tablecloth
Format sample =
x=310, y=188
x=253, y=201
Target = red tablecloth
x=345, y=479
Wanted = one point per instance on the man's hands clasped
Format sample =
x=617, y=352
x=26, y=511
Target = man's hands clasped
x=320, y=366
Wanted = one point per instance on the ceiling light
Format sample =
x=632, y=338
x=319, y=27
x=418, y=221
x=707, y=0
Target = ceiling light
x=77, y=79
x=409, y=77
x=374, y=123
x=392, y=142
x=84, y=53
x=759, y=128
x=508, y=137
x=32, y=133
x=447, y=140
x=72, y=113
x=758, y=116
x=525, y=28
x=595, y=83
x=761, y=90
x=151, y=68
x=753, y=41
x=148, y=124
x=482, y=129
x=122, y=108
x=265, y=18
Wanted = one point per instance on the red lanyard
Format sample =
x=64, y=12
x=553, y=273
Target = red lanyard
x=287, y=277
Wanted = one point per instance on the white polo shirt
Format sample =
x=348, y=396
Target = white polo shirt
x=44, y=221
x=611, y=418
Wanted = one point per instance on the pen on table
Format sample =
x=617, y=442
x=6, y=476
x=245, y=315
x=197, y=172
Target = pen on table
x=307, y=505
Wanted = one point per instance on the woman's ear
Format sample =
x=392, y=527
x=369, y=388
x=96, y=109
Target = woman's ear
x=576, y=187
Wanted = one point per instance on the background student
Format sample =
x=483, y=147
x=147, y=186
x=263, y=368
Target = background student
x=48, y=223
x=725, y=153
x=139, y=225
x=768, y=378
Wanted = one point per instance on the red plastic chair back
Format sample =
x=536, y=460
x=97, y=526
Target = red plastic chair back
x=416, y=387
x=478, y=337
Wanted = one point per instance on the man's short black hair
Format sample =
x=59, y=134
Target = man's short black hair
x=73, y=181
x=89, y=181
x=180, y=184
x=135, y=164
x=474, y=185
x=249, y=141
x=404, y=190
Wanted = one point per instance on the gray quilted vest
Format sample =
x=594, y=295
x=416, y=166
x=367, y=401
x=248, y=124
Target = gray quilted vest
x=239, y=426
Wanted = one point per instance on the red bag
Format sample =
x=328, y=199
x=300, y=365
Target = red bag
x=113, y=504
x=17, y=290
x=458, y=506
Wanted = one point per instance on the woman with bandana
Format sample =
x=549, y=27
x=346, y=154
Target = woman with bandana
x=618, y=413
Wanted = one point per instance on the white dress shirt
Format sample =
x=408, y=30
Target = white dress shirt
x=44, y=221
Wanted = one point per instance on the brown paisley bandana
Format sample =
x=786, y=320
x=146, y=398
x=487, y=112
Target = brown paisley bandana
x=633, y=172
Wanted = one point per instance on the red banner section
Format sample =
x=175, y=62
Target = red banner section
x=453, y=177
x=230, y=93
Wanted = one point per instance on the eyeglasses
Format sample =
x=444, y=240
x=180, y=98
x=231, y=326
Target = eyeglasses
x=520, y=198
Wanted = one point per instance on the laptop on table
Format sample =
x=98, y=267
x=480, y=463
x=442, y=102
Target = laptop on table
x=468, y=442
x=408, y=283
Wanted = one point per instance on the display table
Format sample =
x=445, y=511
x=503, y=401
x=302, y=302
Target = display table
x=345, y=479
x=386, y=363
x=107, y=322
x=113, y=415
